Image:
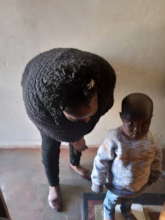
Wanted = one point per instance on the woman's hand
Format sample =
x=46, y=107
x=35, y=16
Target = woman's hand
x=79, y=145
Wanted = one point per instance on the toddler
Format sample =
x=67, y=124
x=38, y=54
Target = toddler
x=128, y=160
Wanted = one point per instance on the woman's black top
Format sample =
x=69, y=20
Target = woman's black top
x=40, y=82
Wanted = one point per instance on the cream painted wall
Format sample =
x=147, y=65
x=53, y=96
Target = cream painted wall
x=129, y=34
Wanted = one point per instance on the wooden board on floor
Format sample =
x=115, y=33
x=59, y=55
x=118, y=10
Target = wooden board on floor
x=3, y=208
x=137, y=210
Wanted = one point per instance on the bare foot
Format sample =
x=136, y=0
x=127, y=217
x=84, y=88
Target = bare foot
x=81, y=171
x=54, y=198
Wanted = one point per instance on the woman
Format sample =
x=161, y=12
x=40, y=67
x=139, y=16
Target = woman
x=65, y=93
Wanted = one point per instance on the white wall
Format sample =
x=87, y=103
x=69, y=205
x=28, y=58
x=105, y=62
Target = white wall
x=129, y=34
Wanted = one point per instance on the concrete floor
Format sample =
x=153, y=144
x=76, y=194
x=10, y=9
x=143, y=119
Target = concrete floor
x=25, y=188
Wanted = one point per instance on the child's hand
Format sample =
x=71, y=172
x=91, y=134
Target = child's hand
x=96, y=188
x=162, y=214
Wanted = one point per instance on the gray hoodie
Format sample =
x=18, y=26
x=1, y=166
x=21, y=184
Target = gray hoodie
x=127, y=165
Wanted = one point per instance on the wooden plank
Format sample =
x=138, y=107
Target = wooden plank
x=3, y=208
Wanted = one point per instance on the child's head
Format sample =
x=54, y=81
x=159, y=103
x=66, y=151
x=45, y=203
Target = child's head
x=136, y=114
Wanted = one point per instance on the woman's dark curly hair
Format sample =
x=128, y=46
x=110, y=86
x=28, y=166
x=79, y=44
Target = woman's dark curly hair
x=71, y=77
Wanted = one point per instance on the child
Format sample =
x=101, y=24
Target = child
x=128, y=160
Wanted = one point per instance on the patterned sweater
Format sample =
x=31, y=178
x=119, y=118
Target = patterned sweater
x=127, y=165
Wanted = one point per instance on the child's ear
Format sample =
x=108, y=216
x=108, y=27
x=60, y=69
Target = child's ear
x=121, y=116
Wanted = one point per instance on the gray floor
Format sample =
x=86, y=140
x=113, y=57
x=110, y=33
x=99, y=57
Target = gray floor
x=23, y=182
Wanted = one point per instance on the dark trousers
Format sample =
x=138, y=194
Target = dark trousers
x=50, y=158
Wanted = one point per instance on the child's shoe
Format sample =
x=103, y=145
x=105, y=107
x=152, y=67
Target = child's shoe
x=108, y=217
x=129, y=216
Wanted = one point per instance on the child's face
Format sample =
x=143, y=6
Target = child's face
x=135, y=129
